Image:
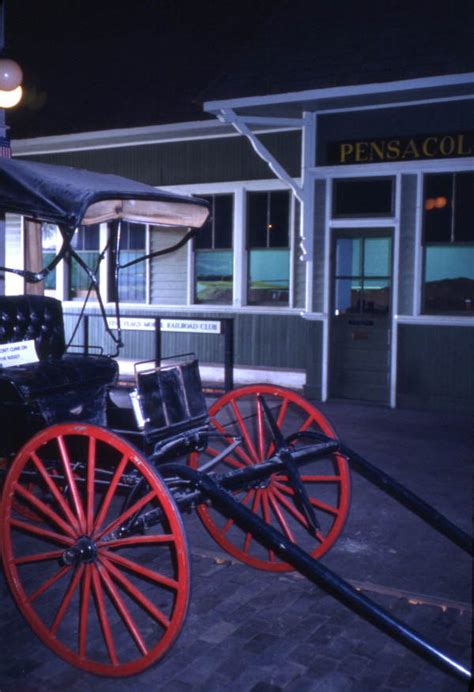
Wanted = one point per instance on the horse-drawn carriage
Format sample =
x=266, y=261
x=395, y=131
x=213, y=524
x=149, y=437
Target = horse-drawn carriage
x=93, y=545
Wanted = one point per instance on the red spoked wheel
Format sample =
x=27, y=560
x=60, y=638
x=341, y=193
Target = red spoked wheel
x=240, y=414
x=98, y=591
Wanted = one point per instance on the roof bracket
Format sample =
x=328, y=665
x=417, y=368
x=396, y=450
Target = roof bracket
x=227, y=115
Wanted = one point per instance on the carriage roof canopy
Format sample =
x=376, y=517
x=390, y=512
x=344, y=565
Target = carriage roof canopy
x=74, y=197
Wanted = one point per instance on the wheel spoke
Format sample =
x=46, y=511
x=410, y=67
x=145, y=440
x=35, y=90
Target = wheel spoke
x=105, y=506
x=122, y=518
x=136, y=540
x=71, y=481
x=279, y=423
x=53, y=488
x=43, y=508
x=39, y=531
x=245, y=432
x=137, y=595
x=90, y=484
x=261, y=430
x=103, y=618
x=281, y=519
x=47, y=584
x=240, y=451
x=66, y=599
x=84, y=610
x=123, y=610
x=38, y=557
x=141, y=571
x=316, y=503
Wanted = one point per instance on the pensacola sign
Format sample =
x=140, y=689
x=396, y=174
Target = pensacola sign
x=402, y=148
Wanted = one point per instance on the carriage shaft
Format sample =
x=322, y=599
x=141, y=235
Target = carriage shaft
x=289, y=552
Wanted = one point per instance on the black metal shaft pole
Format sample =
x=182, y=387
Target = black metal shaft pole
x=318, y=573
x=411, y=501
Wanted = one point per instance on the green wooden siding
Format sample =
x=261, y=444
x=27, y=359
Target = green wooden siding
x=278, y=341
x=435, y=366
x=191, y=161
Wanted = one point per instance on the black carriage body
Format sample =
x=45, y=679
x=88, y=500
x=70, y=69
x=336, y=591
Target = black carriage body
x=59, y=386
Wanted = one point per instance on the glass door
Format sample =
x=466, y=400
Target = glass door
x=361, y=309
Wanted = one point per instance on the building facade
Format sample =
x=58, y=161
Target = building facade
x=341, y=240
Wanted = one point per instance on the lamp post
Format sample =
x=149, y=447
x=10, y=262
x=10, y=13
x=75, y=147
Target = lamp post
x=10, y=94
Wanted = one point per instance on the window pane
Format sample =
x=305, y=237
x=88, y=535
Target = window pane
x=449, y=278
x=49, y=234
x=257, y=219
x=376, y=296
x=369, y=197
x=279, y=219
x=464, y=212
x=269, y=276
x=214, y=276
x=132, y=280
x=348, y=257
x=438, y=196
x=86, y=243
x=223, y=212
x=268, y=215
x=377, y=258
x=348, y=296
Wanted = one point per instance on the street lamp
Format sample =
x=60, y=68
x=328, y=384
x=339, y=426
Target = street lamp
x=11, y=77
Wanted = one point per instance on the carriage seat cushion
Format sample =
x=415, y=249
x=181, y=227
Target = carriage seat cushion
x=70, y=373
x=40, y=318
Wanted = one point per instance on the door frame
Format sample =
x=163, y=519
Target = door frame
x=360, y=231
x=392, y=223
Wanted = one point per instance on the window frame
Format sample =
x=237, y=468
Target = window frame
x=424, y=245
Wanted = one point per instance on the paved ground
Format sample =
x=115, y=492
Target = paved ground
x=249, y=631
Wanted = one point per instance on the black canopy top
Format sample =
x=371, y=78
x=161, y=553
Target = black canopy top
x=75, y=197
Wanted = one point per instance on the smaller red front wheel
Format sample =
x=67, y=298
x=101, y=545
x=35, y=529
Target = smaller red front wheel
x=239, y=414
x=105, y=597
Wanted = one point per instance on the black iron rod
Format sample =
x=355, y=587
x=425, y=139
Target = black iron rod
x=318, y=573
x=411, y=501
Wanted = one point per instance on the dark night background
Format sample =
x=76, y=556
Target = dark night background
x=103, y=65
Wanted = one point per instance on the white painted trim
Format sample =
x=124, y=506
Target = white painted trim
x=327, y=289
x=367, y=170
x=436, y=320
x=418, y=259
x=239, y=246
x=395, y=290
x=95, y=141
x=367, y=222
x=382, y=88
x=292, y=255
x=227, y=309
x=395, y=104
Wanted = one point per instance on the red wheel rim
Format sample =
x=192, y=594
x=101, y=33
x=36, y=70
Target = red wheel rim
x=327, y=481
x=121, y=603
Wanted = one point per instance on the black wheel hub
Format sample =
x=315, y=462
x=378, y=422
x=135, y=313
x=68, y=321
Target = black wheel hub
x=84, y=550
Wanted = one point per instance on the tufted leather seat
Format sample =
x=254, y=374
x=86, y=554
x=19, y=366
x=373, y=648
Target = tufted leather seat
x=59, y=386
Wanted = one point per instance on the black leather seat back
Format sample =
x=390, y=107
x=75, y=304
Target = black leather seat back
x=33, y=317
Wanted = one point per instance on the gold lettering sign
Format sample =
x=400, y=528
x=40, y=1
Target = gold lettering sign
x=402, y=148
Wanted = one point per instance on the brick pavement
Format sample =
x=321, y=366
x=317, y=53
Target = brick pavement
x=250, y=631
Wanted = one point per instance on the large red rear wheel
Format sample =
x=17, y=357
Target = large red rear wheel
x=240, y=414
x=104, y=597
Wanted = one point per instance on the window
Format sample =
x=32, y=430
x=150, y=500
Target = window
x=49, y=235
x=86, y=243
x=132, y=280
x=363, y=275
x=268, y=223
x=213, y=255
x=363, y=197
x=448, y=235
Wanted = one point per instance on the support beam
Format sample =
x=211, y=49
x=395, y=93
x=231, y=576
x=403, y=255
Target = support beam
x=229, y=116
